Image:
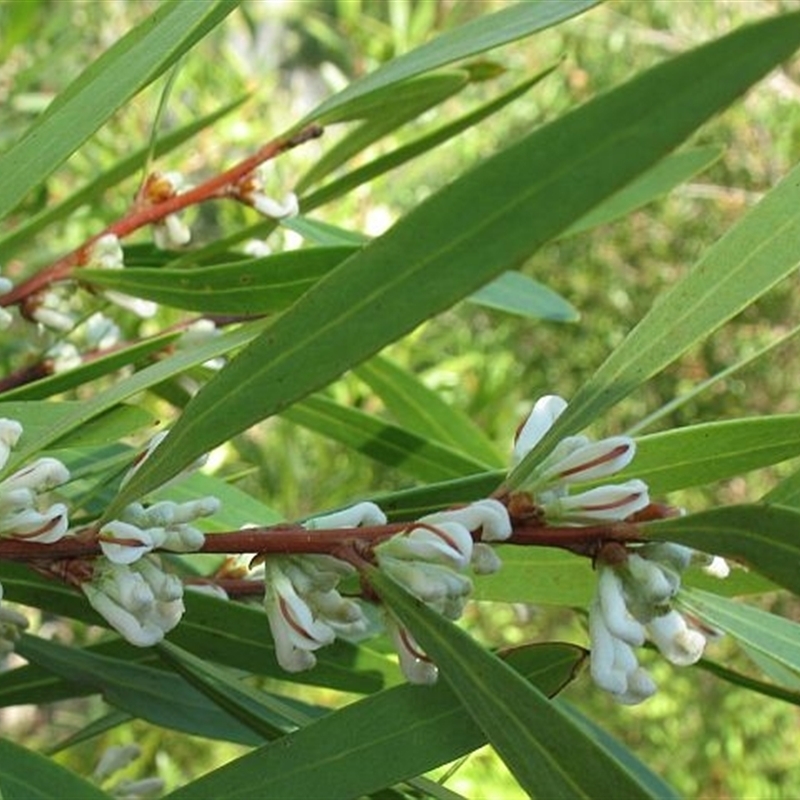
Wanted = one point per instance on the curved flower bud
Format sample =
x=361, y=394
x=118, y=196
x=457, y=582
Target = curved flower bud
x=677, y=642
x=351, y=517
x=447, y=543
x=294, y=628
x=140, y=601
x=588, y=462
x=414, y=663
x=545, y=412
x=123, y=543
x=33, y=526
x=614, y=609
x=489, y=516
x=602, y=504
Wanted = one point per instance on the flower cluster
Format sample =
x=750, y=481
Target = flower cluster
x=23, y=515
x=163, y=525
x=140, y=600
x=306, y=610
x=429, y=558
x=577, y=459
x=304, y=607
x=634, y=601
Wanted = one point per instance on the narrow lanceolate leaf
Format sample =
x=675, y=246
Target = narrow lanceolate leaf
x=423, y=410
x=774, y=637
x=154, y=695
x=516, y=293
x=25, y=775
x=483, y=33
x=786, y=493
x=106, y=85
x=549, y=754
x=374, y=743
x=257, y=286
x=751, y=258
x=702, y=454
x=485, y=222
x=659, y=180
x=396, y=158
x=389, y=444
x=761, y=537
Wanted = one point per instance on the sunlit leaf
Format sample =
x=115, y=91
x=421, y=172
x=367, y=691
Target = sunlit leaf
x=483, y=223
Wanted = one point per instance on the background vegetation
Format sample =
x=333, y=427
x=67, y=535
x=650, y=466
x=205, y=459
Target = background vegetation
x=706, y=737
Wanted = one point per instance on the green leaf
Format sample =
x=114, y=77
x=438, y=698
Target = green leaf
x=477, y=36
x=549, y=754
x=25, y=775
x=766, y=634
x=263, y=713
x=346, y=752
x=485, y=222
x=396, y=158
x=746, y=682
x=257, y=286
x=154, y=695
x=38, y=417
x=761, y=537
x=751, y=258
x=408, y=101
x=389, y=444
x=421, y=409
x=698, y=388
x=106, y=85
x=701, y=454
x=661, y=179
x=26, y=230
x=516, y=293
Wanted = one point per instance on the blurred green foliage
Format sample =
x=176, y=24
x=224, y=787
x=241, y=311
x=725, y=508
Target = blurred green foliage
x=709, y=739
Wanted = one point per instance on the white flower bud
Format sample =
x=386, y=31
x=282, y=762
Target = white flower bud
x=485, y=560
x=614, y=609
x=352, y=517
x=545, y=412
x=677, y=642
x=590, y=461
x=414, y=663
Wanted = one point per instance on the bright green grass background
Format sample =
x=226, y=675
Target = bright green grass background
x=710, y=740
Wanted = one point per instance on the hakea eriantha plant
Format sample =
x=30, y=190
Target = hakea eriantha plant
x=315, y=593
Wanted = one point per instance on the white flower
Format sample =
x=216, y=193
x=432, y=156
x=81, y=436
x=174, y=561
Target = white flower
x=633, y=601
x=604, y=503
x=251, y=191
x=545, y=412
x=20, y=514
x=414, y=663
x=162, y=525
x=141, y=601
x=171, y=232
x=50, y=311
x=577, y=459
x=351, y=517
x=296, y=631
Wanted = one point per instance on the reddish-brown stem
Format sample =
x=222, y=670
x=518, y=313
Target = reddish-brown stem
x=287, y=539
x=217, y=186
